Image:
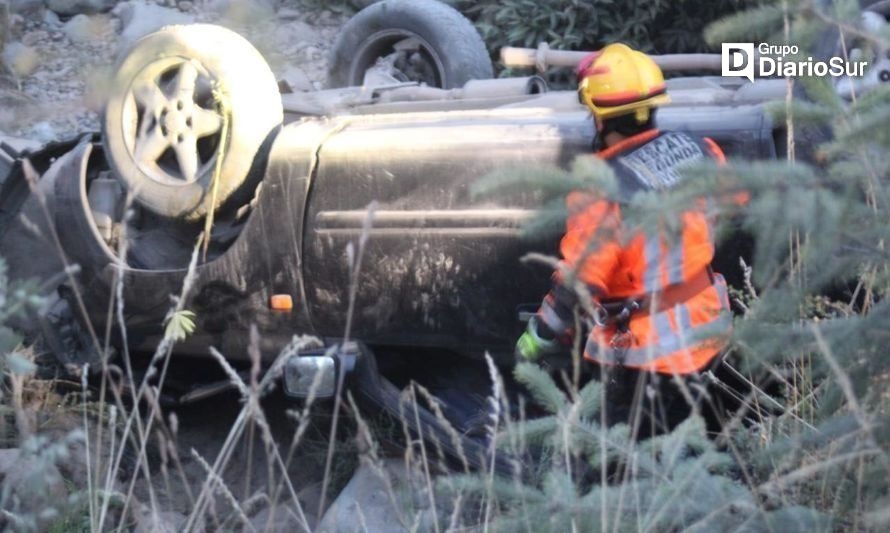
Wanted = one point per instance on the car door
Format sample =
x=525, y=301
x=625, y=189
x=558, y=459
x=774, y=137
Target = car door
x=440, y=267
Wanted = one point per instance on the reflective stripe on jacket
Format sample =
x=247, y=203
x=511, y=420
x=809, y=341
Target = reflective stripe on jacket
x=672, y=336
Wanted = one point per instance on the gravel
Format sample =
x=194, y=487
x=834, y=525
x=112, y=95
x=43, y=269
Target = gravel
x=57, y=67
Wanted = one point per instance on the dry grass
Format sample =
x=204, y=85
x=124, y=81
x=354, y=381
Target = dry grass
x=132, y=460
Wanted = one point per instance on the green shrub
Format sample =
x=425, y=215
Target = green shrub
x=681, y=481
x=659, y=26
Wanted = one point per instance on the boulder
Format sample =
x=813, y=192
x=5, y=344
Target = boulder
x=4, y=24
x=139, y=19
x=278, y=519
x=160, y=522
x=50, y=18
x=22, y=60
x=20, y=145
x=297, y=79
x=68, y=8
x=34, y=37
x=244, y=11
x=124, y=12
x=366, y=502
x=26, y=7
x=85, y=28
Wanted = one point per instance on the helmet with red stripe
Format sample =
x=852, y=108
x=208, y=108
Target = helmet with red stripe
x=618, y=80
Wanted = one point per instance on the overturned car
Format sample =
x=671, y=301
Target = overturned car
x=338, y=213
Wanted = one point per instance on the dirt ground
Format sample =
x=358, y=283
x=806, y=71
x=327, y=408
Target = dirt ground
x=252, y=475
x=179, y=454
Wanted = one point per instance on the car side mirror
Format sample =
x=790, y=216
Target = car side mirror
x=320, y=369
x=302, y=372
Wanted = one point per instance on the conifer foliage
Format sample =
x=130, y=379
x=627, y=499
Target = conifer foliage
x=600, y=479
x=809, y=451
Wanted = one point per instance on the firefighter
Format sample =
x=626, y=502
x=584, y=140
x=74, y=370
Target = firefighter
x=659, y=311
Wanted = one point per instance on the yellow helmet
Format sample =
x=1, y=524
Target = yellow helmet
x=618, y=80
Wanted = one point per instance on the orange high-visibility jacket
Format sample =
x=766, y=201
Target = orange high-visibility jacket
x=684, y=317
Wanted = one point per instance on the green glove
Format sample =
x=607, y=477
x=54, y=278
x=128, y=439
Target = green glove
x=530, y=346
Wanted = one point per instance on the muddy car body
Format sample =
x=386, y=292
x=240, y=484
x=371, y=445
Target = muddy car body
x=440, y=268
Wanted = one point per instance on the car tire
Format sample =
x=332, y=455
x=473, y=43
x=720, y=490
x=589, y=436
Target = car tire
x=162, y=125
x=451, y=52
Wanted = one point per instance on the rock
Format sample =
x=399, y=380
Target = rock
x=26, y=7
x=185, y=5
x=311, y=53
x=278, y=520
x=31, y=38
x=88, y=28
x=77, y=28
x=124, y=12
x=20, y=145
x=16, y=21
x=42, y=131
x=76, y=7
x=50, y=18
x=367, y=495
x=244, y=11
x=289, y=13
x=297, y=79
x=283, y=517
x=162, y=522
x=32, y=486
x=4, y=24
x=141, y=19
x=22, y=60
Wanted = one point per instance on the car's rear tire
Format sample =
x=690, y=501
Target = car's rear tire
x=162, y=125
x=447, y=53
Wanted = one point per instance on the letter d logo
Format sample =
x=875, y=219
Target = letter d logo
x=737, y=59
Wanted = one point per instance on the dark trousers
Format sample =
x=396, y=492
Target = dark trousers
x=653, y=404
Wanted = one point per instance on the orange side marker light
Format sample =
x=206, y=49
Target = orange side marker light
x=281, y=302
